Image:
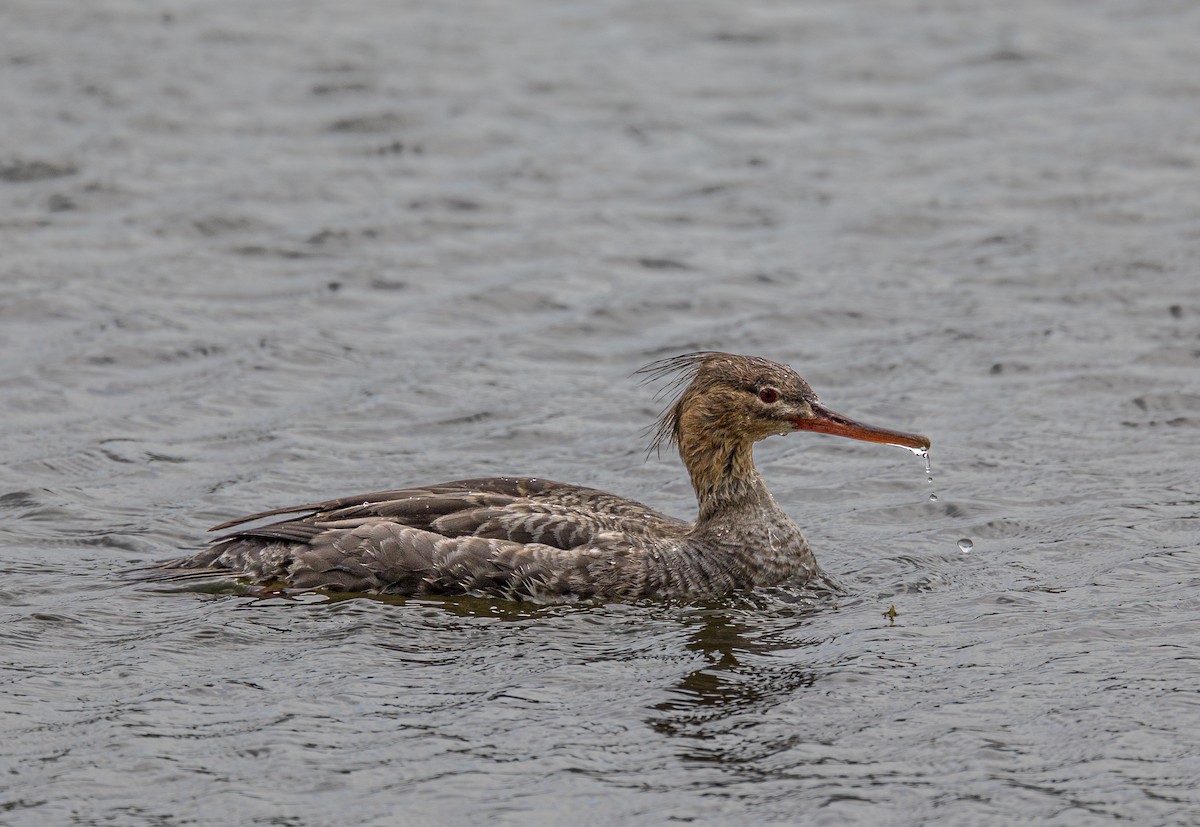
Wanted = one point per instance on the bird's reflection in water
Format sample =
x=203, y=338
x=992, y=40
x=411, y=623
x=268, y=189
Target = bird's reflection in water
x=754, y=649
x=752, y=665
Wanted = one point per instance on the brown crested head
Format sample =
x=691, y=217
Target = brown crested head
x=728, y=398
x=739, y=398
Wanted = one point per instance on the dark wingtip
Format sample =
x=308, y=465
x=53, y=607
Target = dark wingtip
x=262, y=515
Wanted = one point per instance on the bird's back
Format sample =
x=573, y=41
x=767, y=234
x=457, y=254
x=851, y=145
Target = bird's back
x=507, y=536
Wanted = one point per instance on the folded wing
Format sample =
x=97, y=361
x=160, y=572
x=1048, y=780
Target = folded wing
x=500, y=535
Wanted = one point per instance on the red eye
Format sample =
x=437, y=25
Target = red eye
x=769, y=395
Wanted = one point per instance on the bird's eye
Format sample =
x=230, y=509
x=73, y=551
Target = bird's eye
x=769, y=395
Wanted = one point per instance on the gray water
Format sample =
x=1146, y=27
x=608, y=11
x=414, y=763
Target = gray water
x=255, y=254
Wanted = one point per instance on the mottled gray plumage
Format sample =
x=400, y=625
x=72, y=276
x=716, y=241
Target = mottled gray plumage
x=529, y=538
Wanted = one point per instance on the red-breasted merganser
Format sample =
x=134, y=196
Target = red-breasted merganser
x=530, y=538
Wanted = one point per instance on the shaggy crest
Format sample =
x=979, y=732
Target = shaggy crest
x=697, y=372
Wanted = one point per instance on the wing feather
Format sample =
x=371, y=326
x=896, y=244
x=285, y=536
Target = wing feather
x=520, y=509
x=513, y=536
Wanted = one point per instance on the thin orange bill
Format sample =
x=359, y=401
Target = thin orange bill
x=826, y=421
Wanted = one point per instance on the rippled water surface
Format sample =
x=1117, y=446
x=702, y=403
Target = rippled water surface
x=259, y=254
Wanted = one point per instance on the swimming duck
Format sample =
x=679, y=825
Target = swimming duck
x=535, y=539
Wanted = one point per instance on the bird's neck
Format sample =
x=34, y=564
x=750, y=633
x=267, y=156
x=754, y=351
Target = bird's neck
x=739, y=521
x=725, y=478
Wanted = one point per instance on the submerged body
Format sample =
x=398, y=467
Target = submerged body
x=529, y=538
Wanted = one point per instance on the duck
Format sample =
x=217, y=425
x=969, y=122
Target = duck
x=533, y=539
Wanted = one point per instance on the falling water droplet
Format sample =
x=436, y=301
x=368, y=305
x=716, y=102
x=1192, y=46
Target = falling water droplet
x=965, y=545
x=924, y=454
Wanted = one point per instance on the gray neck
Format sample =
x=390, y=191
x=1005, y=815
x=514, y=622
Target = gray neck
x=739, y=515
x=729, y=489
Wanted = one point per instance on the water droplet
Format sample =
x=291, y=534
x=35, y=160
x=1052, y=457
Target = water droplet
x=923, y=453
x=965, y=545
